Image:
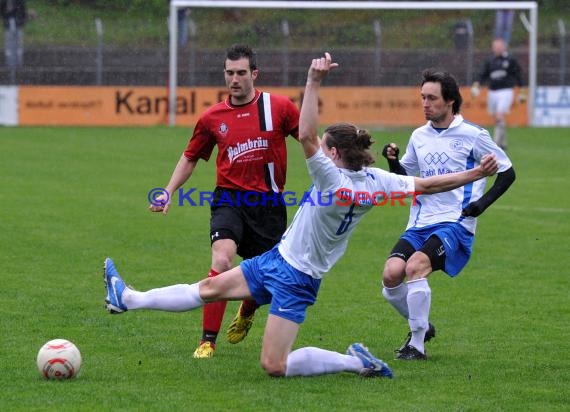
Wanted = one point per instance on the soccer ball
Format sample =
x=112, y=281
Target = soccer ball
x=59, y=359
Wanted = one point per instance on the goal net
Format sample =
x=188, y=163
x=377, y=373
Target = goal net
x=380, y=44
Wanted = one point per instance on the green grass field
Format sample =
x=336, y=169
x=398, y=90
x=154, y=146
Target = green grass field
x=72, y=196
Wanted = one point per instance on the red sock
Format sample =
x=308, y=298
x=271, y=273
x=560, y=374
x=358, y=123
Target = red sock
x=212, y=316
x=248, y=307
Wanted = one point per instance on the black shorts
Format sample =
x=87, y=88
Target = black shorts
x=255, y=222
x=433, y=248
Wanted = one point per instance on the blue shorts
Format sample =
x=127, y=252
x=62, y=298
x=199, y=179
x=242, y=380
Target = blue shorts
x=457, y=241
x=272, y=280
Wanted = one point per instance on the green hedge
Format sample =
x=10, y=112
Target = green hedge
x=153, y=6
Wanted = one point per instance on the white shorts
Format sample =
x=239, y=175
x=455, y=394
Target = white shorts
x=500, y=101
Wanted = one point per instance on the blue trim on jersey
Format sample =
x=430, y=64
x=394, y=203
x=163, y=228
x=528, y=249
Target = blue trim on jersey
x=468, y=188
x=473, y=124
x=419, y=211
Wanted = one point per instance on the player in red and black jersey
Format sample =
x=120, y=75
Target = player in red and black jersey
x=247, y=214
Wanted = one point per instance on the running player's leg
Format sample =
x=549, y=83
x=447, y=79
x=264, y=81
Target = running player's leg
x=265, y=221
x=230, y=285
x=292, y=292
x=394, y=289
x=226, y=230
x=503, y=100
x=430, y=257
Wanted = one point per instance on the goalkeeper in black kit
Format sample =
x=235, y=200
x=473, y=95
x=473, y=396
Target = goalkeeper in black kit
x=502, y=72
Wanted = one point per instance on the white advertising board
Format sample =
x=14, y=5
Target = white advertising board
x=9, y=106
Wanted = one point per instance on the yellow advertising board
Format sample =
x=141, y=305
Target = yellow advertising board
x=147, y=106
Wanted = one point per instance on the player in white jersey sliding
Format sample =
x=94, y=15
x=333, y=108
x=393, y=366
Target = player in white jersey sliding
x=288, y=276
x=441, y=227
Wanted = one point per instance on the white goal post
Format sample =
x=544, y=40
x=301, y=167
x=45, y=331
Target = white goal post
x=532, y=27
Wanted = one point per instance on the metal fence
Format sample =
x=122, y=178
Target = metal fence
x=376, y=65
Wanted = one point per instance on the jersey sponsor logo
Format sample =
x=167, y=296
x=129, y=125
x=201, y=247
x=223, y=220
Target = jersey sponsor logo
x=435, y=172
x=347, y=197
x=436, y=158
x=498, y=74
x=249, y=146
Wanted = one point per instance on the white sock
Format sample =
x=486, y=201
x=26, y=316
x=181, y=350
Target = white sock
x=175, y=298
x=311, y=361
x=419, y=302
x=397, y=297
x=500, y=134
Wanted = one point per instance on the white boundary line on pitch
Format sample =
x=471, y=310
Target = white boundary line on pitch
x=531, y=209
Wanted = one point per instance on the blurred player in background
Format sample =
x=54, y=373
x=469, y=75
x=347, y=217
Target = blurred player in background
x=288, y=277
x=250, y=129
x=502, y=72
x=504, y=23
x=441, y=227
x=15, y=16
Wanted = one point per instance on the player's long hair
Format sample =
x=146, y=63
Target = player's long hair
x=240, y=51
x=449, y=87
x=352, y=144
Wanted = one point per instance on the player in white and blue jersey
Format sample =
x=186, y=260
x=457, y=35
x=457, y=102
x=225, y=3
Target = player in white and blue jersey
x=441, y=227
x=288, y=277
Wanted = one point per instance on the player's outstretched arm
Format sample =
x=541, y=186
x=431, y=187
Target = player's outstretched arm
x=309, y=120
x=443, y=183
x=502, y=183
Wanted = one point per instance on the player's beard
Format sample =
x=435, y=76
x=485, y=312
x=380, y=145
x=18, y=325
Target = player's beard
x=241, y=94
x=436, y=119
